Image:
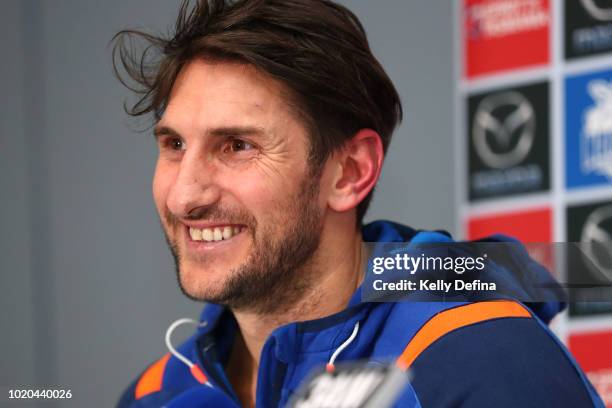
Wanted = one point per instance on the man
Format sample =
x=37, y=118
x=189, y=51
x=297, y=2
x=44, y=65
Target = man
x=272, y=121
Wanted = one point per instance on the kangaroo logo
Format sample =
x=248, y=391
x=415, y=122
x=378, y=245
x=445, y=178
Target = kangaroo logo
x=596, y=137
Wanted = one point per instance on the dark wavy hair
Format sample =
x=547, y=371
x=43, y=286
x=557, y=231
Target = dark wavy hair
x=317, y=49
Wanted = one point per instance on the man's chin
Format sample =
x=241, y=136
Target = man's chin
x=201, y=291
x=202, y=285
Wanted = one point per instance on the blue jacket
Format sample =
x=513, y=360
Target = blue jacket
x=510, y=360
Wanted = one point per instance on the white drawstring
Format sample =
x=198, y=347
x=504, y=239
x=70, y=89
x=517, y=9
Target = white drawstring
x=199, y=375
x=330, y=365
x=195, y=370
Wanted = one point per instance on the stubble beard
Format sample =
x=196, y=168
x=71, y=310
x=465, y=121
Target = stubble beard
x=278, y=271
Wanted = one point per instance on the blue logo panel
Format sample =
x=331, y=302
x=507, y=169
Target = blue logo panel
x=588, y=129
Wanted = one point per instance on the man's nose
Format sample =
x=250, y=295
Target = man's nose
x=194, y=186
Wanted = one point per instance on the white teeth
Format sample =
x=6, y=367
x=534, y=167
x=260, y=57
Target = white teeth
x=227, y=233
x=207, y=234
x=214, y=234
x=196, y=234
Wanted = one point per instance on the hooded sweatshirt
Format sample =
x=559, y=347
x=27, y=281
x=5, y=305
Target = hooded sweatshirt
x=460, y=354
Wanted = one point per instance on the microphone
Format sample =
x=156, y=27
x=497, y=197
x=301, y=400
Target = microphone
x=352, y=385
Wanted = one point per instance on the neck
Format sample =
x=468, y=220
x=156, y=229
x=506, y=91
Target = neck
x=336, y=276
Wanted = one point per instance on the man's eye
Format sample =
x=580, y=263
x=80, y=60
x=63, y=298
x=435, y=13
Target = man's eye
x=238, y=145
x=175, y=143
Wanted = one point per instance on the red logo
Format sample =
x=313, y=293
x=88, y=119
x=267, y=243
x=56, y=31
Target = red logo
x=531, y=226
x=594, y=354
x=501, y=35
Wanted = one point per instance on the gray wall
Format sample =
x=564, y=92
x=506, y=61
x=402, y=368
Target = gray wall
x=88, y=285
x=16, y=301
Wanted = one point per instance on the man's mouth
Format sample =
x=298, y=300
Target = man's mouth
x=214, y=234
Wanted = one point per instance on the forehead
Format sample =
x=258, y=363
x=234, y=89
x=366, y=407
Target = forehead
x=211, y=94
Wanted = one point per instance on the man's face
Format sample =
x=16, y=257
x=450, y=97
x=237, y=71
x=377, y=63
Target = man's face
x=239, y=207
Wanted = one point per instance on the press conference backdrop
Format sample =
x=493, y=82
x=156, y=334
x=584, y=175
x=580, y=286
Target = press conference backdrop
x=534, y=144
x=88, y=287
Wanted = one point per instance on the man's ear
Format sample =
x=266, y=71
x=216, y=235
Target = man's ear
x=358, y=166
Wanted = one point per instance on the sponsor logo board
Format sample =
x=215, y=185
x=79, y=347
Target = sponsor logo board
x=594, y=354
x=508, y=137
x=588, y=129
x=588, y=27
x=532, y=225
x=496, y=31
x=590, y=270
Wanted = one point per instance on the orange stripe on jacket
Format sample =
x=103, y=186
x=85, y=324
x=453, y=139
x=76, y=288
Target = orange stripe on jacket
x=151, y=379
x=451, y=319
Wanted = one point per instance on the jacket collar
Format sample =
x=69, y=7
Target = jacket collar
x=290, y=340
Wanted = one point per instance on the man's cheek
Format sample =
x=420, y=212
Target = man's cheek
x=162, y=183
x=157, y=194
x=250, y=197
x=264, y=184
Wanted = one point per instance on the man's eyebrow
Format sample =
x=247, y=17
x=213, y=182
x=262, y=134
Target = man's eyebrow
x=226, y=131
x=164, y=131
x=236, y=131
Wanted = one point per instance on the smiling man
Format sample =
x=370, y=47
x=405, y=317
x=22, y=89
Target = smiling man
x=272, y=118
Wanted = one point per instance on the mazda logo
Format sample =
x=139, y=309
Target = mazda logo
x=503, y=129
x=598, y=240
x=599, y=10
